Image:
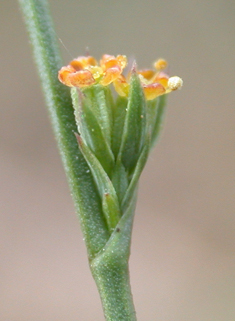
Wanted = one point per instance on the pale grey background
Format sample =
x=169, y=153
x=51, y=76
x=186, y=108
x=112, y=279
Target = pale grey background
x=183, y=250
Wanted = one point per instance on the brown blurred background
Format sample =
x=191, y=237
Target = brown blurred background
x=183, y=250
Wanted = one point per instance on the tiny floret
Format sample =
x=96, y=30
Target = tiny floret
x=84, y=72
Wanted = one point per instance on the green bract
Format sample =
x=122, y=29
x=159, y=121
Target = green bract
x=115, y=139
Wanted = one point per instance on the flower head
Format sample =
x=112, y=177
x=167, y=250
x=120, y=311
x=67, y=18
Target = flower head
x=154, y=82
x=83, y=72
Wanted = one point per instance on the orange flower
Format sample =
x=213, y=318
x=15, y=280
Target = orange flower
x=85, y=71
x=154, y=83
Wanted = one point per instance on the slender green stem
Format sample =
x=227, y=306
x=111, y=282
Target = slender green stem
x=112, y=280
x=58, y=99
x=110, y=271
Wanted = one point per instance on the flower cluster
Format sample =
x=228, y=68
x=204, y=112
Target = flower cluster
x=83, y=72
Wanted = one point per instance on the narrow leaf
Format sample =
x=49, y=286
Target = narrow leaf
x=158, y=124
x=134, y=133
x=104, y=185
x=152, y=109
x=91, y=131
x=77, y=110
x=136, y=175
x=100, y=99
x=118, y=125
x=120, y=180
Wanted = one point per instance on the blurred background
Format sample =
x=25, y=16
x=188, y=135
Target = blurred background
x=183, y=250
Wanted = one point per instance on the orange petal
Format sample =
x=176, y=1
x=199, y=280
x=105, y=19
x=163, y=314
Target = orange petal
x=64, y=73
x=82, y=78
x=110, y=75
x=77, y=64
x=83, y=62
x=147, y=73
x=161, y=78
x=110, y=64
x=107, y=59
x=121, y=86
x=91, y=61
x=153, y=90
